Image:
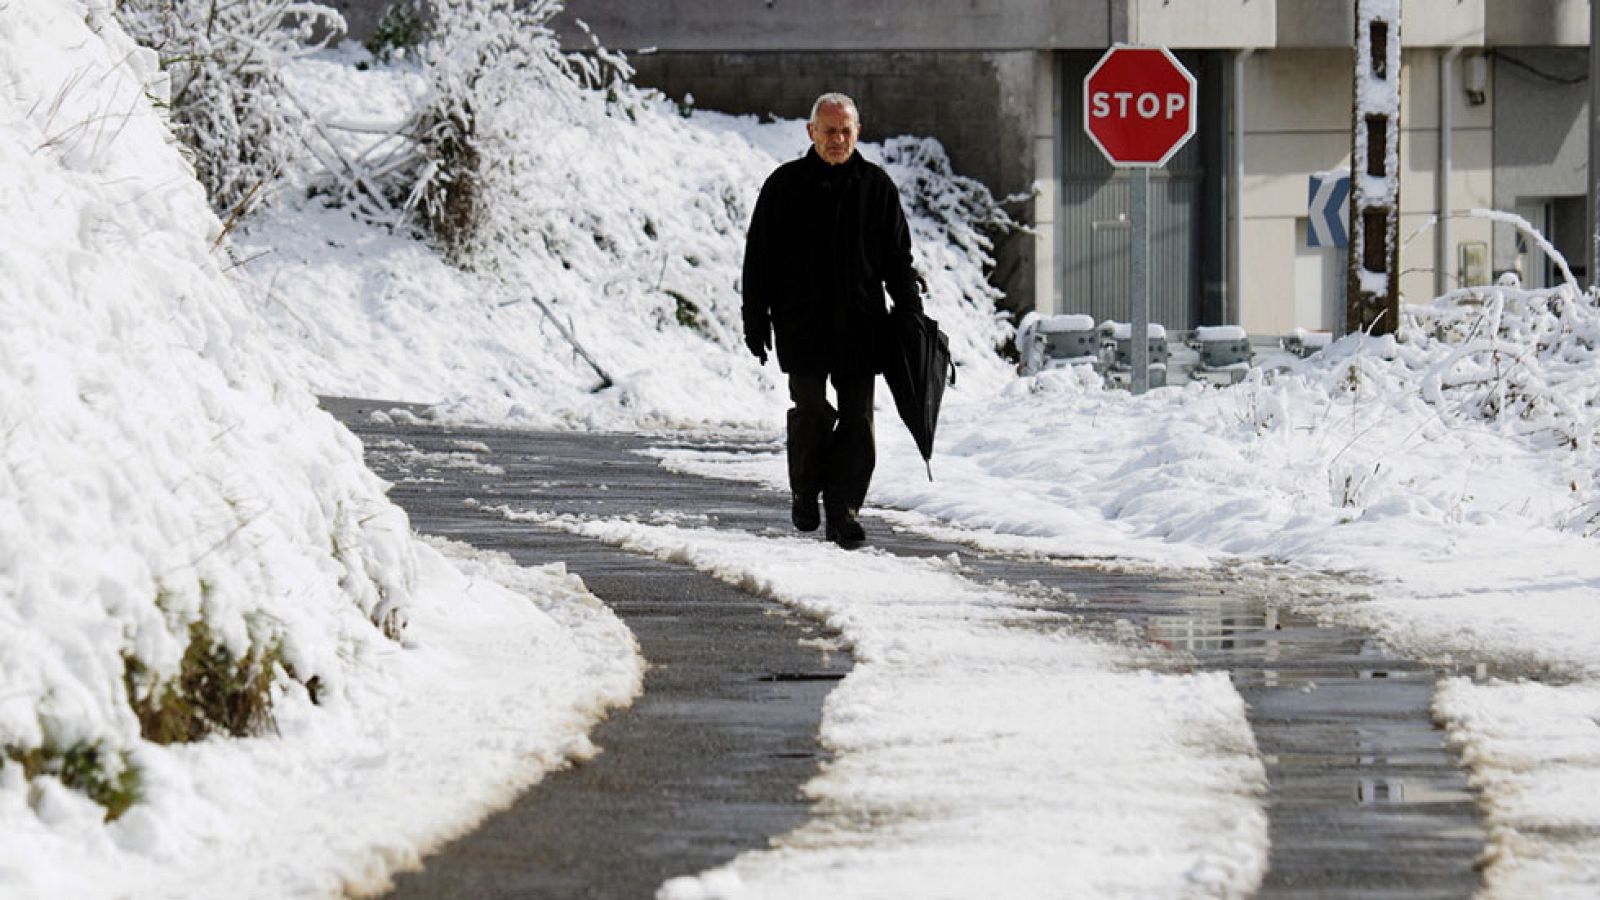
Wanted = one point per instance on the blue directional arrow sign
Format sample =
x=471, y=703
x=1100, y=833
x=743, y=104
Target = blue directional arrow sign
x=1329, y=209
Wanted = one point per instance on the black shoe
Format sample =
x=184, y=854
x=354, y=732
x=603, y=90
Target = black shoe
x=846, y=532
x=804, y=512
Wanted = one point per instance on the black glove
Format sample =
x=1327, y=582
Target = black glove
x=910, y=301
x=759, y=340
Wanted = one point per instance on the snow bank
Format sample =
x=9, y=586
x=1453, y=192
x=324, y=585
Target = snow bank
x=978, y=739
x=169, y=498
x=1534, y=750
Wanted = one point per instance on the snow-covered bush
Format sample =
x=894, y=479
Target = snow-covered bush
x=955, y=221
x=1520, y=364
x=1526, y=358
x=960, y=207
x=1523, y=359
x=185, y=540
x=401, y=28
x=222, y=62
x=487, y=63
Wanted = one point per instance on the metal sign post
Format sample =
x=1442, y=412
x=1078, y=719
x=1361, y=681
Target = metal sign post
x=1139, y=278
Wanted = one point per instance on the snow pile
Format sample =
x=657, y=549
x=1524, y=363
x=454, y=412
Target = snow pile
x=978, y=739
x=1534, y=750
x=190, y=548
x=610, y=222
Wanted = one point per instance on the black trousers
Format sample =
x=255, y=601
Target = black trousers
x=831, y=452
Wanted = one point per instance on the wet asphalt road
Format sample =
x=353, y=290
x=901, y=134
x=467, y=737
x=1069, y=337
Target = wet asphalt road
x=1364, y=800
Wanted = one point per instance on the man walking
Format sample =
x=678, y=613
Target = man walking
x=826, y=239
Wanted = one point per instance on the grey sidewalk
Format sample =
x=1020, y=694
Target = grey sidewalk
x=1364, y=801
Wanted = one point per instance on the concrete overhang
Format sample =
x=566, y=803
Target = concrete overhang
x=1538, y=23
x=996, y=25
x=1205, y=24
x=821, y=25
x=1423, y=23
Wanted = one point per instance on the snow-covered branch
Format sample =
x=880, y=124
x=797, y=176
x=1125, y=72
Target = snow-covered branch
x=222, y=62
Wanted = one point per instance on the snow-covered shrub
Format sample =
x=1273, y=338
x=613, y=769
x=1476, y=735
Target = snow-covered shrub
x=488, y=62
x=472, y=57
x=222, y=61
x=955, y=221
x=1523, y=359
x=1523, y=363
x=961, y=207
x=401, y=29
x=186, y=542
x=215, y=690
x=1526, y=358
x=106, y=777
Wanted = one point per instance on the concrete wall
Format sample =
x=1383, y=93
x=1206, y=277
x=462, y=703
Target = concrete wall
x=1535, y=23
x=1297, y=120
x=1472, y=171
x=1423, y=23
x=1038, y=24
x=1046, y=206
x=1203, y=24
x=1541, y=145
x=835, y=25
x=1442, y=23
x=1316, y=23
x=929, y=24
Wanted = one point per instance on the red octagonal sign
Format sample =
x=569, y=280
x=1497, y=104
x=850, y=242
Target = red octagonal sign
x=1139, y=105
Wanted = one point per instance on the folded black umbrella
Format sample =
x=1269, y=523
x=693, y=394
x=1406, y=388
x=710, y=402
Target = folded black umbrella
x=917, y=366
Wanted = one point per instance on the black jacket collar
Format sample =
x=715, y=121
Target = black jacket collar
x=850, y=169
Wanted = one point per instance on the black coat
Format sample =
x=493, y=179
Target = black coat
x=825, y=242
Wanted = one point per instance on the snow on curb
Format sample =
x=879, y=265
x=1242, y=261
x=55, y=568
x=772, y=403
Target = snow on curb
x=510, y=669
x=1534, y=750
x=976, y=737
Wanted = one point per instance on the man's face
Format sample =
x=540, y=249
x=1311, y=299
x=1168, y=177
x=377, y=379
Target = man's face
x=834, y=132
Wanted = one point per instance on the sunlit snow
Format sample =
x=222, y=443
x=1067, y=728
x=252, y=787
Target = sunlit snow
x=164, y=462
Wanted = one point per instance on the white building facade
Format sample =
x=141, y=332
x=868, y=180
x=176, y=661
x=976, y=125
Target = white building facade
x=1494, y=115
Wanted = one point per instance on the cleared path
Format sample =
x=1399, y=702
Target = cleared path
x=1364, y=802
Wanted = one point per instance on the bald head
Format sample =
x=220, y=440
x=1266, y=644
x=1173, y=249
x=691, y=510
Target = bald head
x=834, y=127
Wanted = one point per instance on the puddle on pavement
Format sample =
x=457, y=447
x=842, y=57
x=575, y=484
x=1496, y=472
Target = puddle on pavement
x=1365, y=799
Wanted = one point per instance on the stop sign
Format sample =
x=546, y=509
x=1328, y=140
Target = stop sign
x=1138, y=105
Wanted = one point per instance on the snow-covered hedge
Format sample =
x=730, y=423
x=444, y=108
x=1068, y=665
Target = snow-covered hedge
x=489, y=64
x=223, y=64
x=184, y=537
x=1525, y=360
x=954, y=220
